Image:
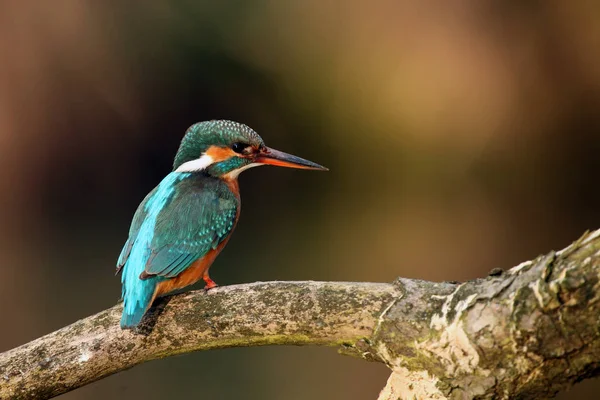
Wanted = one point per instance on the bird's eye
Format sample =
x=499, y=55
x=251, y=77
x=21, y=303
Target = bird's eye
x=239, y=147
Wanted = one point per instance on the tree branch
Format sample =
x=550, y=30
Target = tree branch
x=293, y=313
x=526, y=333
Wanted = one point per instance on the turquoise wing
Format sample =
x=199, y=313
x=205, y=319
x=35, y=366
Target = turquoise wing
x=198, y=218
x=136, y=224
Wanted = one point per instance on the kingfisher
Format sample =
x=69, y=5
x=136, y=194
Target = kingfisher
x=183, y=223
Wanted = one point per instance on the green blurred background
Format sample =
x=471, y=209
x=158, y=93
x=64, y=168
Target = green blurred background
x=461, y=136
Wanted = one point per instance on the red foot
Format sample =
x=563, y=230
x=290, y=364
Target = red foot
x=210, y=284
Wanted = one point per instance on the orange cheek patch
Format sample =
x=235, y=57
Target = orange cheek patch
x=220, y=153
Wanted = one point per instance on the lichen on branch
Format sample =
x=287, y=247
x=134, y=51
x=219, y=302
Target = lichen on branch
x=526, y=333
x=270, y=313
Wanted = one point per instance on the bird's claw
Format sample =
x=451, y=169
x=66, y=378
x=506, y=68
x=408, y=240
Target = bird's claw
x=210, y=284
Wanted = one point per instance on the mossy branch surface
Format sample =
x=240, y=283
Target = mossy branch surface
x=525, y=333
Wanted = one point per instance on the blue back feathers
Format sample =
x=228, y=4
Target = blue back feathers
x=137, y=294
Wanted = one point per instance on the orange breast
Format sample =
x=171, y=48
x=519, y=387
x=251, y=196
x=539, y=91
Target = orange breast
x=192, y=274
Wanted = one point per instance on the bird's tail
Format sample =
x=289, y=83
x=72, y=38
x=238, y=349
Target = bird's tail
x=137, y=298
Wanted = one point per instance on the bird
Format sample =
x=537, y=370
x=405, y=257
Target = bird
x=182, y=225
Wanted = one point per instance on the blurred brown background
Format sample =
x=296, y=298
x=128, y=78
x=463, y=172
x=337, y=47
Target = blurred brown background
x=461, y=136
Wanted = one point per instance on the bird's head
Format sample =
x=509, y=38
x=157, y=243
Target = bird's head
x=224, y=149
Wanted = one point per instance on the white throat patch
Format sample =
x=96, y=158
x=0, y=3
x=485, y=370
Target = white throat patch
x=234, y=174
x=196, y=165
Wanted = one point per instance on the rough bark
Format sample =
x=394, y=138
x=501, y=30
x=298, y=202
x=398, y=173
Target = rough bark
x=525, y=333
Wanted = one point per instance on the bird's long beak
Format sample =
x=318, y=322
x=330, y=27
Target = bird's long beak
x=279, y=158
